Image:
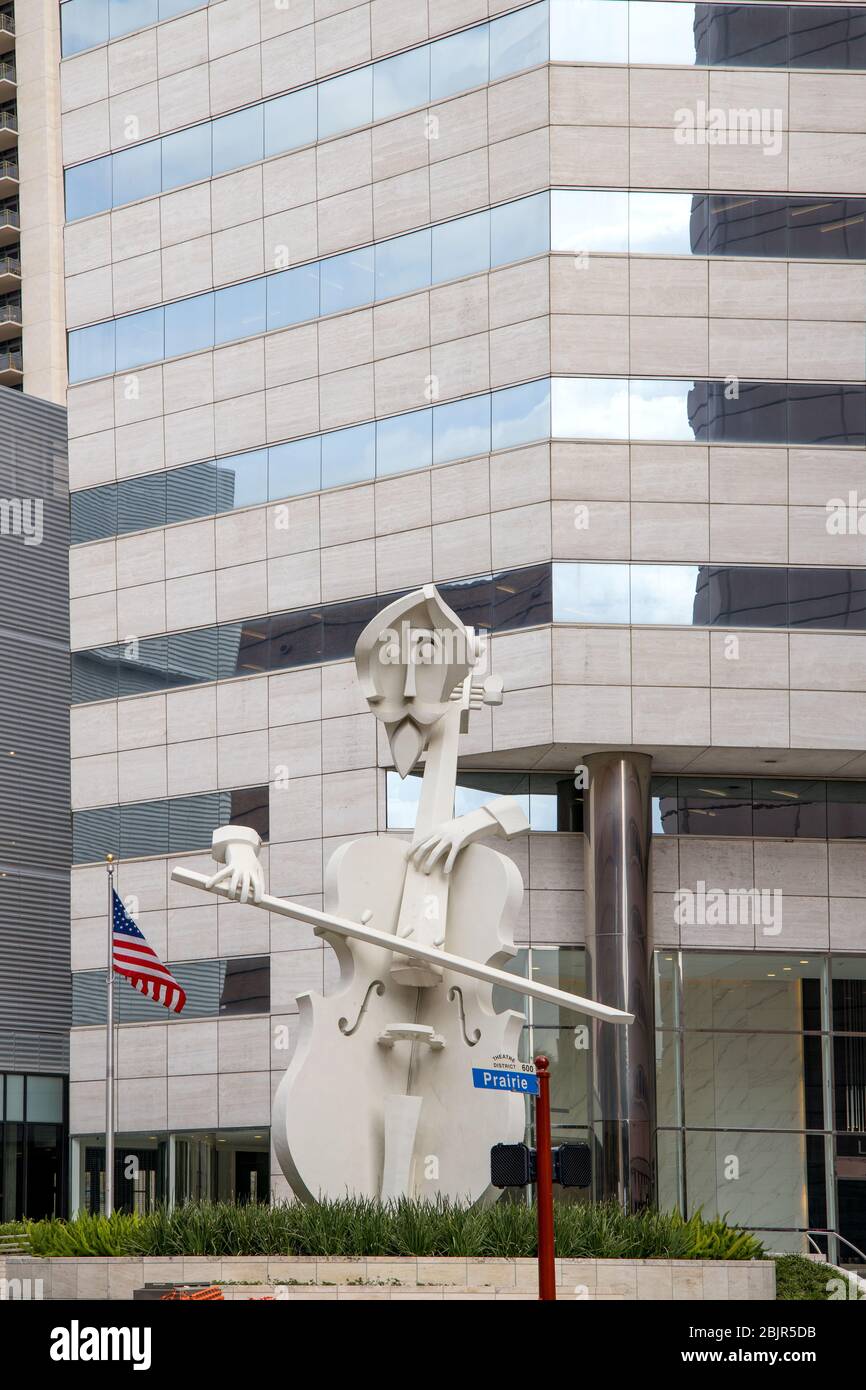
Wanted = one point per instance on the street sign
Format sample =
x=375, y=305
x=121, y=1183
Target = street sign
x=488, y=1079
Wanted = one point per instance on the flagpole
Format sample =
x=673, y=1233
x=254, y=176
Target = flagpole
x=109, y=1047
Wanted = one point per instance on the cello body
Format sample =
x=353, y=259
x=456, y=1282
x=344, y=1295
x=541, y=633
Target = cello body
x=340, y=1099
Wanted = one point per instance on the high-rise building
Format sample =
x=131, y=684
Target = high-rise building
x=32, y=339
x=35, y=841
x=562, y=306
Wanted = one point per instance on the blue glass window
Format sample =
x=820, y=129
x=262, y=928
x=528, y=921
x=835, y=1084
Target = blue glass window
x=461, y=429
x=460, y=62
x=401, y=83
x=293, y=295
x=88, y=188
x=243, y=480
x=595, y=220
x=169, y=8
x=238, y=139
x=589, y=31
x=661, y=222
x=345, y=102
x=186, y=156
x=519, y=40
x=461, y=247
x=291, y=121
x=404, y=442
x=521, y=414
x=137, y=172
x=348, y=456
x=139, y=339
x=521, y=229
x=191, y=492
x=83, y=24
x=239, y=311
x=664, y=593
x=348, y=280
x=588, y=593
x=126, y=15
x=189, y=325
x=91, y=351
x=589, y=409
x=403, y=264
x=295, y=468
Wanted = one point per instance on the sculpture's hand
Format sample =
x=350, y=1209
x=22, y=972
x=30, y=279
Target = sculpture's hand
x=503, y=816
x=239, y=857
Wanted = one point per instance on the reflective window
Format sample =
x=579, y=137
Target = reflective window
x=243, y=480
x=789, y=809
x=591, y=593
x=238, y=139
x=400, y=83
x=293, y=296
x=186, y=156
x=714, y=806
x=521, y=414
x=295, y=467
x=827, y=36
x=827, y=598
x=91, y=351
x=663, y=222
x=345, y=102
x=191, y=492
x=520, y=40
x=461, y=247
x=742, y=35
x=137, y=172
x=519, y=230
x=189, y=325
x=213, y=988
x=403, y=264
x=742, y=225
x=826, y=414
x=83, y=24
x=461, y=429
x=667, y=410
x=240, y=311
x=291, y=121
x=460, y=62
x=93, y=514
x=348, y=456
x=591, y=220
x=846, y=810
x=663, y=594
x=831, y=228
x=88, y=188
x=589, y=408
x=139, y=338
x=142, y=828
x=404, y=442
x=126, y=15
x=661, y=33
x=589, y=31
x=141, y=502
x=348, y=280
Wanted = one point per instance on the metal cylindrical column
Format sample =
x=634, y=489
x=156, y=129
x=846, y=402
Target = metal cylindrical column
x=617, y=829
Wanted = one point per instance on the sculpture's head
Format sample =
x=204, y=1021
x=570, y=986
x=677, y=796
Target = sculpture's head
x=409, y=660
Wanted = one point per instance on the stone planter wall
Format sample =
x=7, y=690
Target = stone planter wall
x=386, y=1277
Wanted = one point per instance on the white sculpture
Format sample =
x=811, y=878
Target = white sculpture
x=378, y=1098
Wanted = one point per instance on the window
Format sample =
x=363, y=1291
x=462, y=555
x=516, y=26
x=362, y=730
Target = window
x=91, y=351
x=591, y=593
x=240, y=311
x=590, y=409
x=663, y=594
x=88, y=188
x=595, y=220
x=400, y=83
x=290, y=121
x=126, y=15
x=404, y=442
x=403, y=264
x=137, y=172
x=521, y=414
x=460, y=62
x=141, y=828
x=192, y=492
x=518, y=41
x=347, y=280
x=243, y=480
x=83, y=23
x=345, y=102
x=292, y=296
x=139, y=338
x=589, y=31
x=519, y=230
x=461, y=429
x=238, y=139
x=186, y=156
x=663, y=222
x=461, y=247
x=348, y=456
x=214, y=989
x=295, y=467
x=189, y=325
x=141, y=502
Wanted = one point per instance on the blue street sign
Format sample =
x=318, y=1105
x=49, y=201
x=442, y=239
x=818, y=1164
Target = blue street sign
x=484, y=1079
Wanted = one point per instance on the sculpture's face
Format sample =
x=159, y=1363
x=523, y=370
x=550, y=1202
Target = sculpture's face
x=409, y=660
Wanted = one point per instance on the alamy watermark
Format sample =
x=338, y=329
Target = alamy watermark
x=738, y=125
x=22, y=516
x=729, y=907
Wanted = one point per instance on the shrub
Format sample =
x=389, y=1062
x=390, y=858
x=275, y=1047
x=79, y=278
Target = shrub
x=808, y=1281
x=359, y=1227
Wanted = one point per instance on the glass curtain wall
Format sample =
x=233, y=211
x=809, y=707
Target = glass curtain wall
x=761, y=1081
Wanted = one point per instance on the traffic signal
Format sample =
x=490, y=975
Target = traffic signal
x=513, y=1165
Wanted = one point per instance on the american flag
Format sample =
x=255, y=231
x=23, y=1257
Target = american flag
x=140, y=963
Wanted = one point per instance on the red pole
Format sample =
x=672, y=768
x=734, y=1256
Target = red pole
x=544, y=1184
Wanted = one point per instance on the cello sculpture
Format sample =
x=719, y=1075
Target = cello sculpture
x=378, y=1098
